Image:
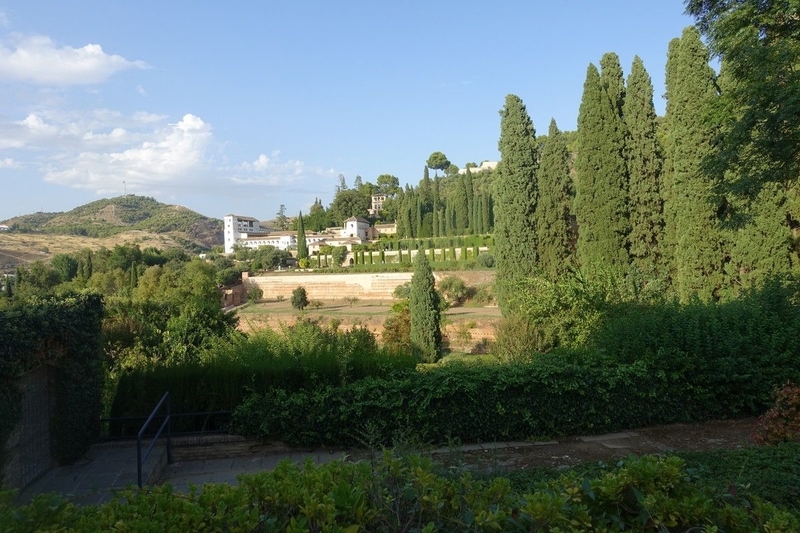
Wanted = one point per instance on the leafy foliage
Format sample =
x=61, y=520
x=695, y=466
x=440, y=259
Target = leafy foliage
x=65, y=334
x=517, y=195
x=299, y=298
x=782, y=422
x=425, y=316
x=396, y=494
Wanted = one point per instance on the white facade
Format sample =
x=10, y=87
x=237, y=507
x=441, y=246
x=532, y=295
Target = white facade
x=238, y=228
x=356, y=227
x=485, y=165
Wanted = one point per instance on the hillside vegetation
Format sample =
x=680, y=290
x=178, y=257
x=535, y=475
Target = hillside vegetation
x=124, y=219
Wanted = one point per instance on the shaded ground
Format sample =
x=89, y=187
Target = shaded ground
x=571, y=451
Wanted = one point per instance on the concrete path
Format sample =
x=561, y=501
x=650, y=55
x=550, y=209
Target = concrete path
x=109, y=468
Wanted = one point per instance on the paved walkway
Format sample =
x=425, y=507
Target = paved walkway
x=107, y=469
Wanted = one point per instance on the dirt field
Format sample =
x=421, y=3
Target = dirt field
x=24, y=248
x=465, y=328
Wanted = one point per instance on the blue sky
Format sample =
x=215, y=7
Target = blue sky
x=238, y=107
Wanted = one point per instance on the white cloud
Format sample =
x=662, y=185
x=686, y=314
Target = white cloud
x=9, y=163
x=269, y=170
x=37, y=59
x=140, y=90
x=170, y=156
x=4, y=19
x=148, y=118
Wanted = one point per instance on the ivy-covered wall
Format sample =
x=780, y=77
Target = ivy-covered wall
x=65, y=334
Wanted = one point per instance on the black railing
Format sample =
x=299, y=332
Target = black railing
x=141, y=458
x=183, y=424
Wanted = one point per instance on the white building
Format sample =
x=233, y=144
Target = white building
x=239, y=228
x=485, y=165
x=357, y=228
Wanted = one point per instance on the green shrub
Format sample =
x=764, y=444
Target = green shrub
x=302, y=356
x=394, y=494
x=782, y=422
x=299, y=298
x=65, y=334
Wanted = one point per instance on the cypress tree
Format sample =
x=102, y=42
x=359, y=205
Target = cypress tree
x=668, y=170
x=302, y=247
x=517, y=193
x=601, y=203
x=8, y=290
x=437, y=231
x=460, y=205
x=553, y=221
x=644, y=174
x=699, y=256
x=425, y=335
x=469, y=188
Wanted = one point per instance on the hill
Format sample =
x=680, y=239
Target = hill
x=124, y=219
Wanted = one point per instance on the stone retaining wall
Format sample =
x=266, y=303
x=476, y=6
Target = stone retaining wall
x=370, y=286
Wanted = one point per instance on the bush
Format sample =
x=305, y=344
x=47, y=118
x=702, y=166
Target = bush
x=254, y=294
x=393, y=494
x=454, y=289
x=299, y=298
x=782, y=422
x=485, y=260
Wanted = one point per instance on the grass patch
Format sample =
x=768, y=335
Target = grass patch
x=769, y=472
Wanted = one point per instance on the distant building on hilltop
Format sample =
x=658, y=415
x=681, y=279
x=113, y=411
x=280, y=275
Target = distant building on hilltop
x=238, y=228
x=247, y=232
x=485, y=165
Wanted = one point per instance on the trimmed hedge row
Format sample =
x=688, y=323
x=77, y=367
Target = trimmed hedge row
x=303, y=356
x=552, y=396
x=64, y=333
x=395, y=494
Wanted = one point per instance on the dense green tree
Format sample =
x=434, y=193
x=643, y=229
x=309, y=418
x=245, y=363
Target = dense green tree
x=699, y=246
x=349, y=203
x=66, y=265
x=299, y=298
x=553, y=221
x=516, y=198
x=601, y=203
x=759, y=44
x=668, y=171
x=388, y=184
x=438, y=161
x=644, y=174
x=8, y=290
x=425, y=315
x=460, y=203
x=318, y=217
x=281, y=220
x=302, y=247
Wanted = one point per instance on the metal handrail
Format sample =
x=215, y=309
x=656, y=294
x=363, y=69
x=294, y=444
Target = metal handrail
x=166, y=423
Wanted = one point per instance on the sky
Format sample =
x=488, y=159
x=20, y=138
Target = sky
x=239, y=107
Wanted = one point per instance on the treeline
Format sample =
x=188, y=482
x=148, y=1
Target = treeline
x=641, y=202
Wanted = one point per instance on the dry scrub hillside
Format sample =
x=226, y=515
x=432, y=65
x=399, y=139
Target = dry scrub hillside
x=24, y=248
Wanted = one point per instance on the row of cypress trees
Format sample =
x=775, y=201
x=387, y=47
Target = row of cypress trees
x=640, y=199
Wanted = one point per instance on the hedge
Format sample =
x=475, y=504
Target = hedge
x=552, y=396
x=395, y=494
x=64, y=333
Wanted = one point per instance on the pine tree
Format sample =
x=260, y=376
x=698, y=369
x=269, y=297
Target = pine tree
x=517, y=194
x=644, y=174
x=601, y=203
x=553, y=220
x=699, y=252
x=302, y=247
x=426, y=335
